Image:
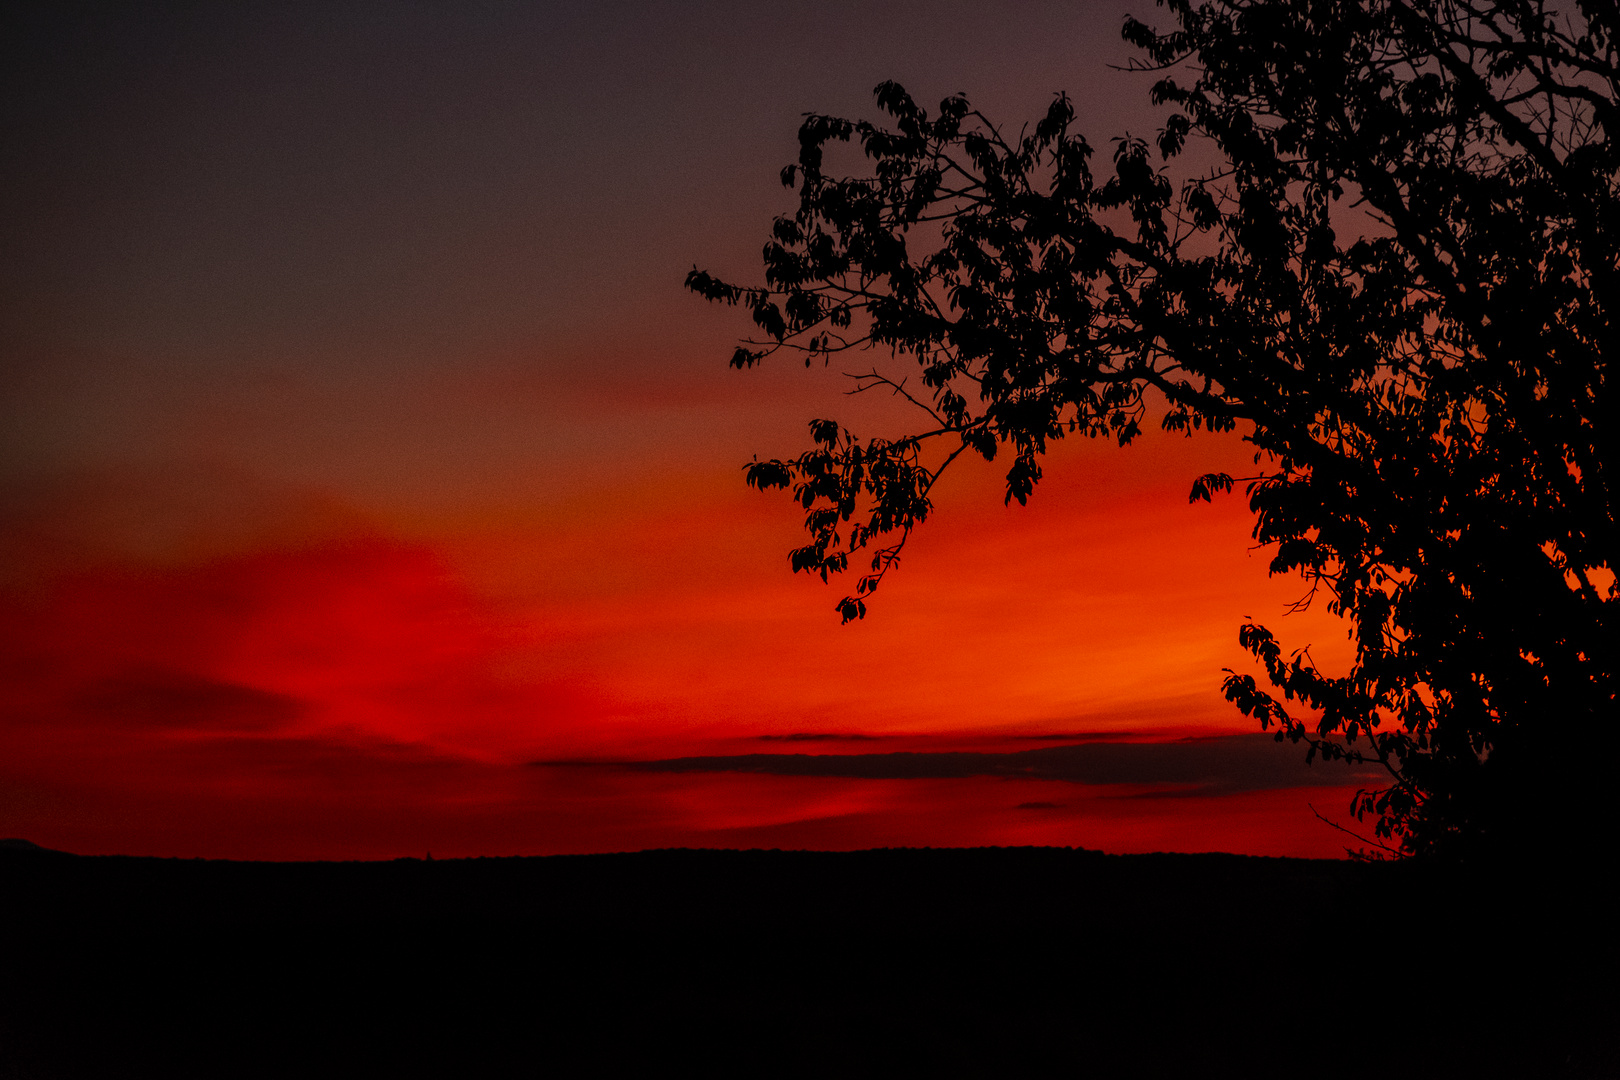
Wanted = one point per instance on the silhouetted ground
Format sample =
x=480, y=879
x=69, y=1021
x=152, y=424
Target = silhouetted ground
x=990, y=962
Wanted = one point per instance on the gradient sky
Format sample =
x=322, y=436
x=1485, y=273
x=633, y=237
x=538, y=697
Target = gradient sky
x=370, y=485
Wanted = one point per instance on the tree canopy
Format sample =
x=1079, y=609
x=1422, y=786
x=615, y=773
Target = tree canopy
x=1375, y=238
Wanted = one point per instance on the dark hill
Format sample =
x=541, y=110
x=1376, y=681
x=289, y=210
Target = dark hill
x=988, y=962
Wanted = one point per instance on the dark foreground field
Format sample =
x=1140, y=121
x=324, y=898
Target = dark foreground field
x=990, y=962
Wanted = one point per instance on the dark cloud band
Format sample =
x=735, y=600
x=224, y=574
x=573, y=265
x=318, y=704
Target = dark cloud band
x=1223, y=764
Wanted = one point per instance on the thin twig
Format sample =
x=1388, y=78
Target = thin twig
x=1393, y=852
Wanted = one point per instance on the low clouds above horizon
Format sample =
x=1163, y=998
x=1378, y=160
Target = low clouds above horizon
x=1211, y=765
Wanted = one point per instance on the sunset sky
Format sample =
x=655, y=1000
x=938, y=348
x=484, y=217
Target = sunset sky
x=371, y=486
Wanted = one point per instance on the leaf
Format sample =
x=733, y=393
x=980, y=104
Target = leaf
x=1207, y=484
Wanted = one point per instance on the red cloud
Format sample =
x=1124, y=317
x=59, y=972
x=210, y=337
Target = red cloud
x=366, y=636
x=155, y=698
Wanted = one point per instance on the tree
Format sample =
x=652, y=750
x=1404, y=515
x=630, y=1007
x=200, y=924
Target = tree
x=1394, y=280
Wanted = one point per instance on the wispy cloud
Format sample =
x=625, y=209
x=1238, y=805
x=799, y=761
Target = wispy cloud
x=1217, y=765
x=817, y=736
x=158, y=698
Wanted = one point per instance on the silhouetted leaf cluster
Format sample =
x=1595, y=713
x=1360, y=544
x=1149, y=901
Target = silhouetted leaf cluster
x=1394, y=281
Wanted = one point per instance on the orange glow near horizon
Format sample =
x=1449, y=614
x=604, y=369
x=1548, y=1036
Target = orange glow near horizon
x=400, y=683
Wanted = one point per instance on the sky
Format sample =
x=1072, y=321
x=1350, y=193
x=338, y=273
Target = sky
x=371, y=486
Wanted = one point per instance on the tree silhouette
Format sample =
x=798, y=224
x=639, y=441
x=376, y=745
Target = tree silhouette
x=1387, y=261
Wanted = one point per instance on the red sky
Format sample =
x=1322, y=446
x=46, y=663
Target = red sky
x=370, y=485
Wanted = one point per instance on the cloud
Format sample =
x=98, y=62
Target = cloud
x=1209, y=766
x=817, y=736
x=1077, y=736
x=160, y=698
